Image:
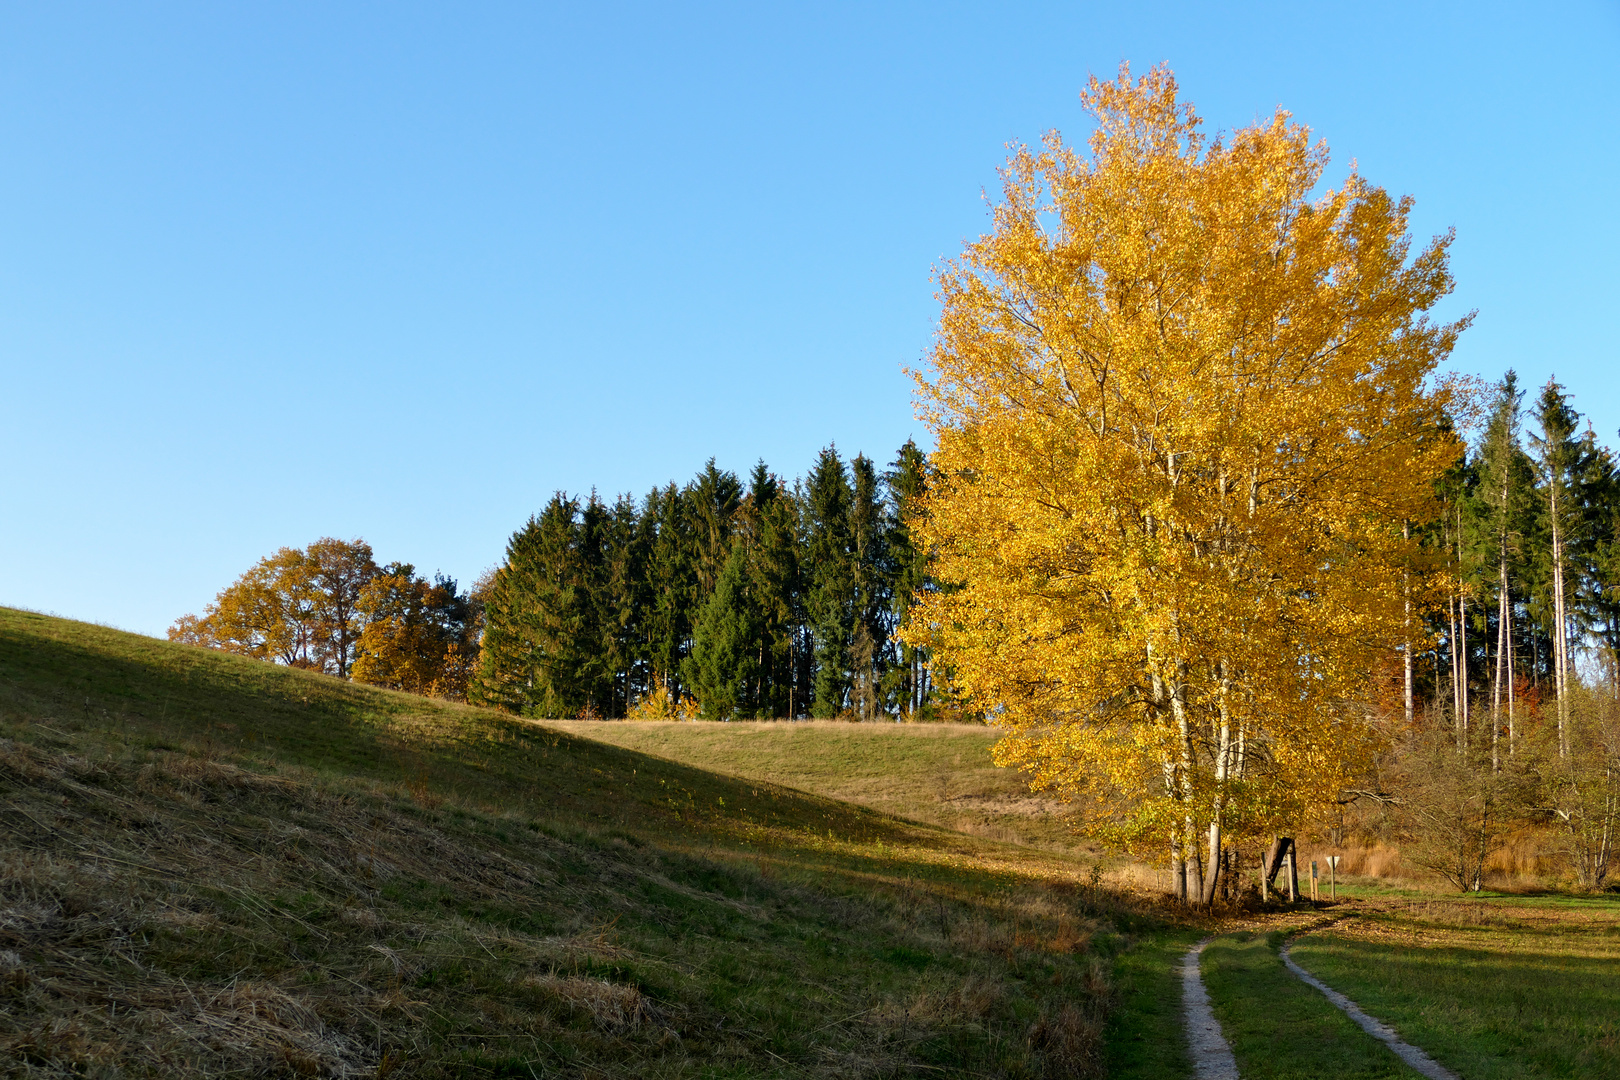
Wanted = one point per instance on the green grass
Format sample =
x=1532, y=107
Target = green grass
x=1494, y=987
x=1279, y=1028
x=936, y=773
x=1145, y=1040
x=212, y=866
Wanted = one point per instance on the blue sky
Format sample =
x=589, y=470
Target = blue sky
x=399, y=271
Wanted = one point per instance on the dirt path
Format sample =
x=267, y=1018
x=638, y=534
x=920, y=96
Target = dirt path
x=1212, y=1057
x=1408, y=1053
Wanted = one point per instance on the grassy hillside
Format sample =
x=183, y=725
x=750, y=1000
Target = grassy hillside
x=937, y=773
x=214, y=866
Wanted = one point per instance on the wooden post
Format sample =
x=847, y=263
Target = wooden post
x=1265, y=882
x=1293, y=877
x=1315, y=896
x=1333, y=874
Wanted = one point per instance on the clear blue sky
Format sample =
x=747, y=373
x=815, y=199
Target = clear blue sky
x=399, y=271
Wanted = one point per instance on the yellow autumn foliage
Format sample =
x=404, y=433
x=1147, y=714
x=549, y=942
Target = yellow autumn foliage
x=1180, y=410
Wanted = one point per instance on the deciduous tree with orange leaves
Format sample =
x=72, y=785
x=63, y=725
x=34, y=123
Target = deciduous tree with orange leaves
x=1181, y=414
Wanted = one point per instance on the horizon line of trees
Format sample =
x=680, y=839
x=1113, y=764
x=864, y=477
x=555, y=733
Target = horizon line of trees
x=720, y=598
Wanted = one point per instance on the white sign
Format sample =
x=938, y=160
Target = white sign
x=1334, y=859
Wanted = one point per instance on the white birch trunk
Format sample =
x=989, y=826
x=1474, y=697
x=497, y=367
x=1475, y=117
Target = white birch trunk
x=1560, y=653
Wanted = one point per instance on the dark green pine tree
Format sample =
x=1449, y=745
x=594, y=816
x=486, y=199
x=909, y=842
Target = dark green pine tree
x=907, y=481
x=870, y=653
x=620, y=604
x=772, y=522
x=671, y=586
x=1506, y=513
x=830, y=573
x=713, y=498
x=535, y=658
x=1560, y=457
x=1603, y=559
x=723, y=669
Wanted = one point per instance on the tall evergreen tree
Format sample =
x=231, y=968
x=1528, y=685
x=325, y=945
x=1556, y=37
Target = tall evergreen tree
x=1603, y=484
x=540, y=654
x=907, y=481
x=1505, y=486
x=869, y=559
x=773, y=571
x=672, y=586
x=830, y=599
x=713, y=498
x=723, y=669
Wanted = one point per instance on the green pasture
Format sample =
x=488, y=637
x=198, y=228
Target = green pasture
x=941, y=774
x=1495, y=988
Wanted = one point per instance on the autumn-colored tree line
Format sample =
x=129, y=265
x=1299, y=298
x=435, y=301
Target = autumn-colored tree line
x=718, y=599
x=330, y=608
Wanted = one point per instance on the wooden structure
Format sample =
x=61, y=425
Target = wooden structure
x=1281, y=852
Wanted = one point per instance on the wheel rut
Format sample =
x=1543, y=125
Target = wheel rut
x=1379, y=1030
x=1211, y=1055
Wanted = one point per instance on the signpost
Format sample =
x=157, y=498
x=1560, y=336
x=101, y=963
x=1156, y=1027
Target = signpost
x=1333, y=874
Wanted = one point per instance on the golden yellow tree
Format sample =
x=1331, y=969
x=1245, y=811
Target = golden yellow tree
x=1180, y=416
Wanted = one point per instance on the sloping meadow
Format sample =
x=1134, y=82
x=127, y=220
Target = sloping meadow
x=212, y=866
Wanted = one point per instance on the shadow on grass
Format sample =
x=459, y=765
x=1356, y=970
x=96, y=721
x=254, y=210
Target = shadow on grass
x=1281, y=1029
x=1503, y=1010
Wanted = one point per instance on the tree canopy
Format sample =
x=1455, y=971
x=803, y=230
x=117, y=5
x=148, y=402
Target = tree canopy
x=1181, y=417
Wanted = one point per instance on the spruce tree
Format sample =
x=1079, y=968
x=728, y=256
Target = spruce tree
x=1559, y=465
x=620, y=604
x=723, y=667
x=869, y=639
x=713, y=498
x=1505, y=484
x=830, y=601
x=907, y=482
x=536, y=657
x=773, y=575
x=671, y=587
x=1603, y=486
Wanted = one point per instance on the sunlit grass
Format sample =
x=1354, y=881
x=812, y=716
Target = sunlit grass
x=1279, y=1028
x=1493, y=987
x=941, y=774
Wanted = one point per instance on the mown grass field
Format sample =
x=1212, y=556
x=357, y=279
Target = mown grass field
x=211, y=866
x=937, y=773
x=1278, y=1027
x=1495, y=988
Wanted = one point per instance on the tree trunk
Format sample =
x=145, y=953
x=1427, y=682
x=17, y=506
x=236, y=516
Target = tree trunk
x=1213, y=879
x=1501, y=653
x=1457, y=680
x=1406, y=650
x=1462, y=643
x=1223, y=770
x=1560, y=656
